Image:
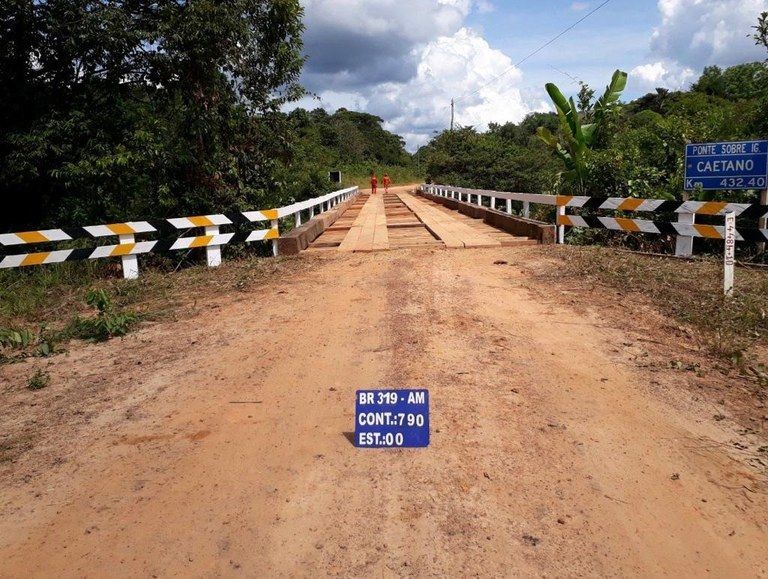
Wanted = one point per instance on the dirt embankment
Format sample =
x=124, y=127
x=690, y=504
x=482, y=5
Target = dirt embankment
x=218, y=444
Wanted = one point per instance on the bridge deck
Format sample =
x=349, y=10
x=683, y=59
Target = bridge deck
x=399, y=219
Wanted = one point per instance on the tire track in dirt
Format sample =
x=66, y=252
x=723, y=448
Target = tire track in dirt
x=547, y=456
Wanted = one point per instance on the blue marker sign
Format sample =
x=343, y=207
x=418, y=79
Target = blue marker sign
x=392, y=418
x=738, y=165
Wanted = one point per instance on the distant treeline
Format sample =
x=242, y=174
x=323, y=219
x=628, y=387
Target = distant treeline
x=640, y=153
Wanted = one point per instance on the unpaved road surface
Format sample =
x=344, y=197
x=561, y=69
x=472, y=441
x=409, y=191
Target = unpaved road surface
x=219, y=445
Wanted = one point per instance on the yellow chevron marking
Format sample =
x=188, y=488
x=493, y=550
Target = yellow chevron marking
x=35, y=258
x=122, y=249
x=202, y=241
x=120, y=229
x=629, y=205
x=627, y=224
x=200, y=221
x=272, y=234
x=708, y=231
x=563, y=200
x=32, y=237
x=564, y=220
x=269, y=213
x=712, y=208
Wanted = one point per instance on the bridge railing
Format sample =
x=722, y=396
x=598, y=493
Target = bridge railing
x=128, y=248
x=685, y=229
x=476, y=196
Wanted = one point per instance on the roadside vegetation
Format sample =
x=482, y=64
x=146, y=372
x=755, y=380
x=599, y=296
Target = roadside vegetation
x=605, y=148
x=688, y=291
x=40, y=314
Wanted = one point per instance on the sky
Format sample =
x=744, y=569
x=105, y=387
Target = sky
x=404, y=60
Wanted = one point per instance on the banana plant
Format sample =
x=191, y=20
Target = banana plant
x=573, y=144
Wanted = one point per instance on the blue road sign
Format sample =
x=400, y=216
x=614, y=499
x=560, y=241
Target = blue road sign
x=392, y=418
x=737, y=165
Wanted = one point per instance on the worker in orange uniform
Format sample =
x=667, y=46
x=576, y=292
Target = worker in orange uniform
x=387, y=182
x=374, y=183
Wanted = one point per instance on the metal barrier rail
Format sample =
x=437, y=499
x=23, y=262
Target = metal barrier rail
x=128, y=248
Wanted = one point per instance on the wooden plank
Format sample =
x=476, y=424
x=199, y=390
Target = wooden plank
x=369, y=230
x=450, y=230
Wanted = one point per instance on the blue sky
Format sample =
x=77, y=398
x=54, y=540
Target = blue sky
x=404, y=60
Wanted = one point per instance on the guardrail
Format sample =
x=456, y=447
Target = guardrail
x=685, y=229
x=128, y=248
x=464, y=194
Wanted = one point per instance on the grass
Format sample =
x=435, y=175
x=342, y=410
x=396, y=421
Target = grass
x=691, y=292
x=89, y=300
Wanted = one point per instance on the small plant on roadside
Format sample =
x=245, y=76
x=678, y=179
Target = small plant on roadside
x=16, y=338
x=24, y=339
x=39, y=380
x=108, y=323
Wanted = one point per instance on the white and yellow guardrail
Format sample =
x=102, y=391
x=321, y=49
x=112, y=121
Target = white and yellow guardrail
x=128, y=248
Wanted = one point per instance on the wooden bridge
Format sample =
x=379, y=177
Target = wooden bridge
x=399, y=220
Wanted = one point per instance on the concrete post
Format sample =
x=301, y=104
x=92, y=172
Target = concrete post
x=276, y=226
x=684, y=243
x=561, y=228
x=213, y=252
x=130, y=262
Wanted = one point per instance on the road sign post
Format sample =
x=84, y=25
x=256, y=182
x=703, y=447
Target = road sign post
x=730, y=253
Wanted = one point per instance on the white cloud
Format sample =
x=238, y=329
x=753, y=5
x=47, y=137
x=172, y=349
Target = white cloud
x=579, y=6
x=661, y=74
x=405, y=65
x=456, y=65
x=694, y=34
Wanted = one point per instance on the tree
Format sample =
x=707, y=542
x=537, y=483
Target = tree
x=124, y=109
x=572, y=145
x=761, y=30
x=711, y=82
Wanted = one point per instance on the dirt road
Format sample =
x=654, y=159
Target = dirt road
x=223, y=448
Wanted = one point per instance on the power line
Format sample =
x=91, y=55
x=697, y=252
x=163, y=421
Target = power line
x=535, y=52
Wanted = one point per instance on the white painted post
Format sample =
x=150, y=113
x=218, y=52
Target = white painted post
x=493, y=202
x=311, y=212
x=730, y=253
x=298, y=219
x=213, y=252
x=561, y=228
x=130, y=262
x=526, y=209
x=509, y=206
x=684, y=243
x=276, y=226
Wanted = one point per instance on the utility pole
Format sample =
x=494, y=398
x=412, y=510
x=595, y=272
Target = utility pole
x=452, y=115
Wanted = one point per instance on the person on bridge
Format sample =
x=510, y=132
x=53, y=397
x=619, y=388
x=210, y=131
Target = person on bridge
x=386, y=182
x=374, y=183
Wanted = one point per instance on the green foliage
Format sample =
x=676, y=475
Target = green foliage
x=24, y=339
x=39, y=380
x=137, y=109
x=572, y=144
x=352, y=142
x=761, y=30
x=742, y=81
x=108, y=323
x=638, y=150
